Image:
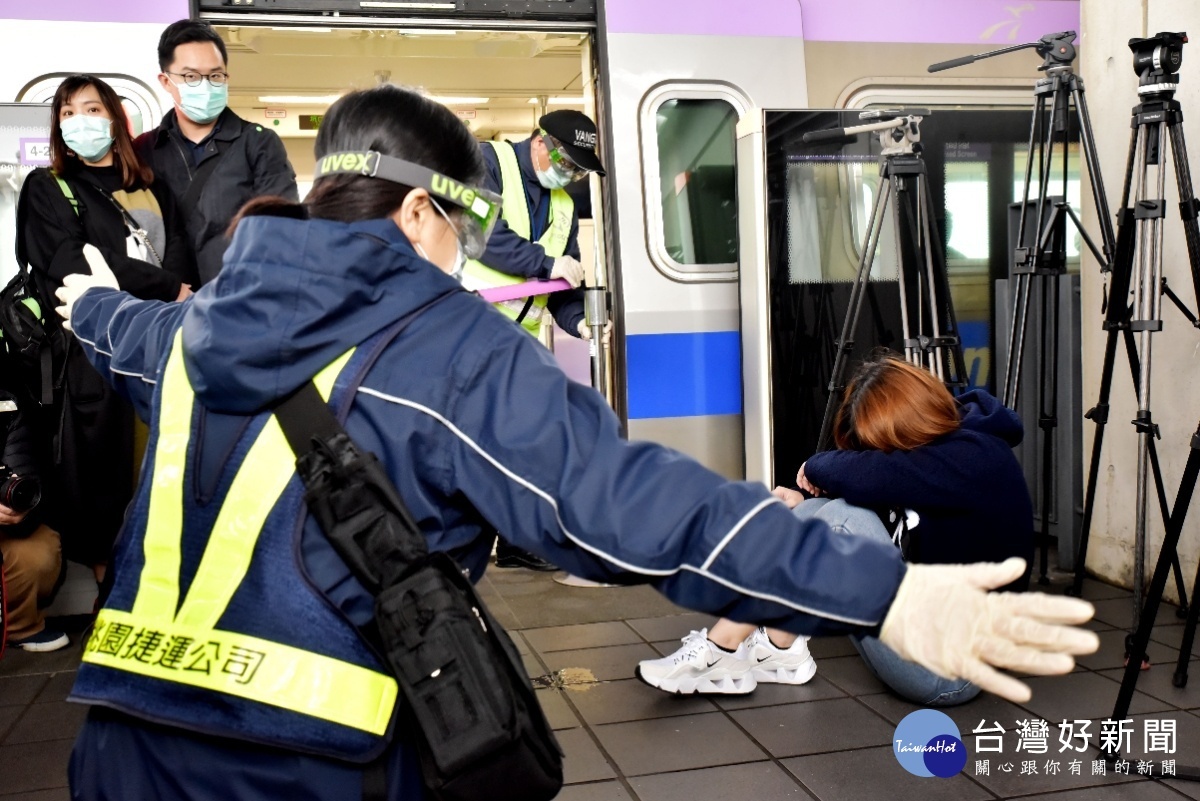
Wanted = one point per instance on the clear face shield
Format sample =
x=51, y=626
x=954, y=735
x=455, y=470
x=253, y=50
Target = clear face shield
x=480, y=207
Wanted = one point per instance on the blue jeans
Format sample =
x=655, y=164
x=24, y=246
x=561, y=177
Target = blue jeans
x=907, y=679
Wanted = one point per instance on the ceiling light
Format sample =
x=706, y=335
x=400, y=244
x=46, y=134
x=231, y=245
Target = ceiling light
x=448, y=100
x=559, y=101
x=308, y=100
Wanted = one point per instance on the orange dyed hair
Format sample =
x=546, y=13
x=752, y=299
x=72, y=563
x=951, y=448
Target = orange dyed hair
x=891, y=405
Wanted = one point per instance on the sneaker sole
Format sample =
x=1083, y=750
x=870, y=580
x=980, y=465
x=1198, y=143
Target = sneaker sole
x=799, y=675
x=689, y=685
x=43, y=647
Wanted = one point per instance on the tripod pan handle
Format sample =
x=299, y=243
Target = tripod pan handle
x=952, y=63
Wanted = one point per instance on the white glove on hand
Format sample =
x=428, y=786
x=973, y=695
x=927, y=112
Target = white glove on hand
x=75, y=284
x=944, y=619
x=585, y=331
x=569, y=269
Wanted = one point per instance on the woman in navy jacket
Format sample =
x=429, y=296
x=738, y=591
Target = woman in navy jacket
x=906, y=447
x=445, y=404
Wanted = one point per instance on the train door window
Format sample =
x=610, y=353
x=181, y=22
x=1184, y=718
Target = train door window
x=689, y=149
x=141, y=104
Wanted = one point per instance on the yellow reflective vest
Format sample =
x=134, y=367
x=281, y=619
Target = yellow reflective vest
x=515, y=211
x=246, y=648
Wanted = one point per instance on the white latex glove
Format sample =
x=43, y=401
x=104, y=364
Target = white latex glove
x=585, y=331
x=568, y=268
x=75, y=284
x=944, y=619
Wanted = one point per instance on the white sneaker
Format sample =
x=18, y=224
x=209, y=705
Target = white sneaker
x=773, y=665
x=700, y=667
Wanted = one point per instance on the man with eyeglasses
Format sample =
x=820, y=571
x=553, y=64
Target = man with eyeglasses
x=212, y=159
x=537, y=237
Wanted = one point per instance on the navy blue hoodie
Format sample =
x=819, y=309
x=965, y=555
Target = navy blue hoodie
x=966, y=486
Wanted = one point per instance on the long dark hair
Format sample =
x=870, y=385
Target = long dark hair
x=891, y=405
x=134, y=171
x=396, y=122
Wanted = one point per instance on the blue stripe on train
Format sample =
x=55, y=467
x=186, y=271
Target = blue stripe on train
x=684, y=375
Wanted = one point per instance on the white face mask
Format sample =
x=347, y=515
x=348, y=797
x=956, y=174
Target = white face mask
x=460, y=256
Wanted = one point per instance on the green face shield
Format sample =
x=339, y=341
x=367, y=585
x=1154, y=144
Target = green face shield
x=561, y=161
x=480, y=208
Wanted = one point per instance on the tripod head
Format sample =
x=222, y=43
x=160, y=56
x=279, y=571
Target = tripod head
x=899, y=130
x=1056, y=50
x=1156, y=61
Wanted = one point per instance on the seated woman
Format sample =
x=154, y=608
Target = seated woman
x=903, y=443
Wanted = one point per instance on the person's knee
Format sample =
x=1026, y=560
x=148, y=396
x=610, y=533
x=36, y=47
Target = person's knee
x=38, y=555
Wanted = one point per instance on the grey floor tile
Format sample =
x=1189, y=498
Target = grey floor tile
x=817, y=689
x=57, y=688
x=585, y=635
x=679, y=743
x=582, y=761
x=601, y=664
x=1083, y=696
x=8, y=716
x=630, y=699
x=20, y=690
x=541, y=603
x=59, y=794
x=1119, y=612
x=558, y=711
x=1096, y=590
x=797, y=729
x=34, y=766
x=57, y=721
x=1157, y=682
x=25, y=663
x=851, y=674
x=757, y=780
x=1111, y=653
x=1173, y=636
x=1191, y=789
x=599, y=791
x=831, y=647
x=892, y=707
x=1139, y=791
x=672, y=627
x=874, y=773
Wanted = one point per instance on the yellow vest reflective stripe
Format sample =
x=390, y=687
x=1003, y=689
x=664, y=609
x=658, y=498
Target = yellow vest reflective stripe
x=185, y=646
x=515, y=212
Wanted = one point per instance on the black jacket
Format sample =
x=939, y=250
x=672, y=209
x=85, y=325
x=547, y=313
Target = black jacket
x=18, y=445
x=88, y=432
x=248, y=161
x=966, y=486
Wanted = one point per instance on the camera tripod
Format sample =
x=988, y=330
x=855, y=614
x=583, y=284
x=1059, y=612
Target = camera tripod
x=1040, y=259
x=1138, y=267
x=929, y=329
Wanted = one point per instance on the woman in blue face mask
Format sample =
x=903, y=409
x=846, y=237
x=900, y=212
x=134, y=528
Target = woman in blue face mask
x=97, y=194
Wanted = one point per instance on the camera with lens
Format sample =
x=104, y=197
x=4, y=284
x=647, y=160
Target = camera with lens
x=19, y=493
x=1157, y=58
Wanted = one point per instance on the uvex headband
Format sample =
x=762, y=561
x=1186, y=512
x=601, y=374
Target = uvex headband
x=481, y=208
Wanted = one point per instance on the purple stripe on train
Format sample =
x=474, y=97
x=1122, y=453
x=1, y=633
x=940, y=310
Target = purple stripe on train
x=983, y=22
x=162, y=11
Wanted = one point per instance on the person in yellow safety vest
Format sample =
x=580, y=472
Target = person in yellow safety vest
x=537, y=236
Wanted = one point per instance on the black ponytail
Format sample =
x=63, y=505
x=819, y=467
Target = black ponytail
x=396, y=122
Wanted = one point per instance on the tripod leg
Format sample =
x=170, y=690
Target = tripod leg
x=1087, y=141
x=1048, y=409
x=1158, y=582
x=845, y=342
x=1179, y=679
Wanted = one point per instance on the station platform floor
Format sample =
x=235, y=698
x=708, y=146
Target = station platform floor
x=624, y=741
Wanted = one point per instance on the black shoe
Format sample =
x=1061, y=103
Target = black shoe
x=511, y=556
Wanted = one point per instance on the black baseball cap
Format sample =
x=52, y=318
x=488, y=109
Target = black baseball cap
x=577, y=135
